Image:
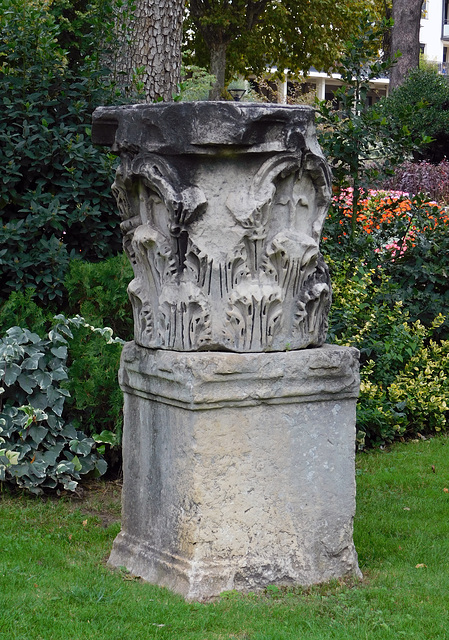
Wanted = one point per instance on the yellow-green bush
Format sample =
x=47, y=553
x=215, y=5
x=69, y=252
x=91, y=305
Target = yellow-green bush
x=404, y=371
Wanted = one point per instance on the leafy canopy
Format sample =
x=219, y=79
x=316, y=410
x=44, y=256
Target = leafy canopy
x=293, y=34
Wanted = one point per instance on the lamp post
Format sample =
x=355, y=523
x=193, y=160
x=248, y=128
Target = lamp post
x=237, y=94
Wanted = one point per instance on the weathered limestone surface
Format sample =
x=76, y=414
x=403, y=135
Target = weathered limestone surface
x=238, y=440
x=238, y=468
x=222, y=205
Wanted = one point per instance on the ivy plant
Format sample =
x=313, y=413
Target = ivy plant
x=38, y=449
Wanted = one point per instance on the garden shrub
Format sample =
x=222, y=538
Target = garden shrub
x=98, y=292
x=411, y=400
x=421, y=105
x=423, y=387
x=390, y=291
x=421, y=177
x=55, y=197
x=408, y=237
x=39, y=449
x=404, y=372
x=96, y=400
x=21, y=310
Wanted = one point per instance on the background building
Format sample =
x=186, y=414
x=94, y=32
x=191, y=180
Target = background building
x=434, y=34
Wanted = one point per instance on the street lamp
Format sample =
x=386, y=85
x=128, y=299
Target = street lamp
x=237, y=94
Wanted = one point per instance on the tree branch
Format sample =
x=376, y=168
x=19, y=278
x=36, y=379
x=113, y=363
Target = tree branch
x=254, y=11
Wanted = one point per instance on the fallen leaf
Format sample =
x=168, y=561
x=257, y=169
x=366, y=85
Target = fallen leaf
x=406, y=508
x=421, y=566
x=433, y=468
x=70, y=536
x=446, y=490
x=84, y=523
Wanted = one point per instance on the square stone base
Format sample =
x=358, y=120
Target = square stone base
x=238, y=468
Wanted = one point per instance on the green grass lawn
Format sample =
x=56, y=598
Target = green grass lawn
x=54, y=584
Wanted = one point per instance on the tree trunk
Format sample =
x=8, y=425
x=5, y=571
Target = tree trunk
x=218, y=69
x=386, y=39
x=405, y=38
x=152, y=47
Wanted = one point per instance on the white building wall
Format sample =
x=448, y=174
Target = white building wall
x=431, y=30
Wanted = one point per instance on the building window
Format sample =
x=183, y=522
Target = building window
x=445, y=20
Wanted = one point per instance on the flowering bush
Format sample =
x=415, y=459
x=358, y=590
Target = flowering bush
x=408, y=236
x=393, y=219
x=391, y=301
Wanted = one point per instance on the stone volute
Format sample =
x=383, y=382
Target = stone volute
x=222, y=207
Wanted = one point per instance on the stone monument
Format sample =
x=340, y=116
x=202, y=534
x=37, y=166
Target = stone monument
x=239, y=431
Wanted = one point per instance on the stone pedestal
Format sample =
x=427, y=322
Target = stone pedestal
x=238, y=468
x=239, y=437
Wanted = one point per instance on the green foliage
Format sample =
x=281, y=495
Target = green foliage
x=421, y=107
x=246, y=27
x=38, y=448
x=55, y=199
x=96, y=401
x=426, y=64
x=98, y=291
x=85, y=29
x=404, y=371
x=19, y=309
x=96, y=33
x=359, y=144
x=195, y=83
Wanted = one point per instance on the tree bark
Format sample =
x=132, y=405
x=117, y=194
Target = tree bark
x=218, y=69
x=386, y=40
x=153, y=47
x=405, y=38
